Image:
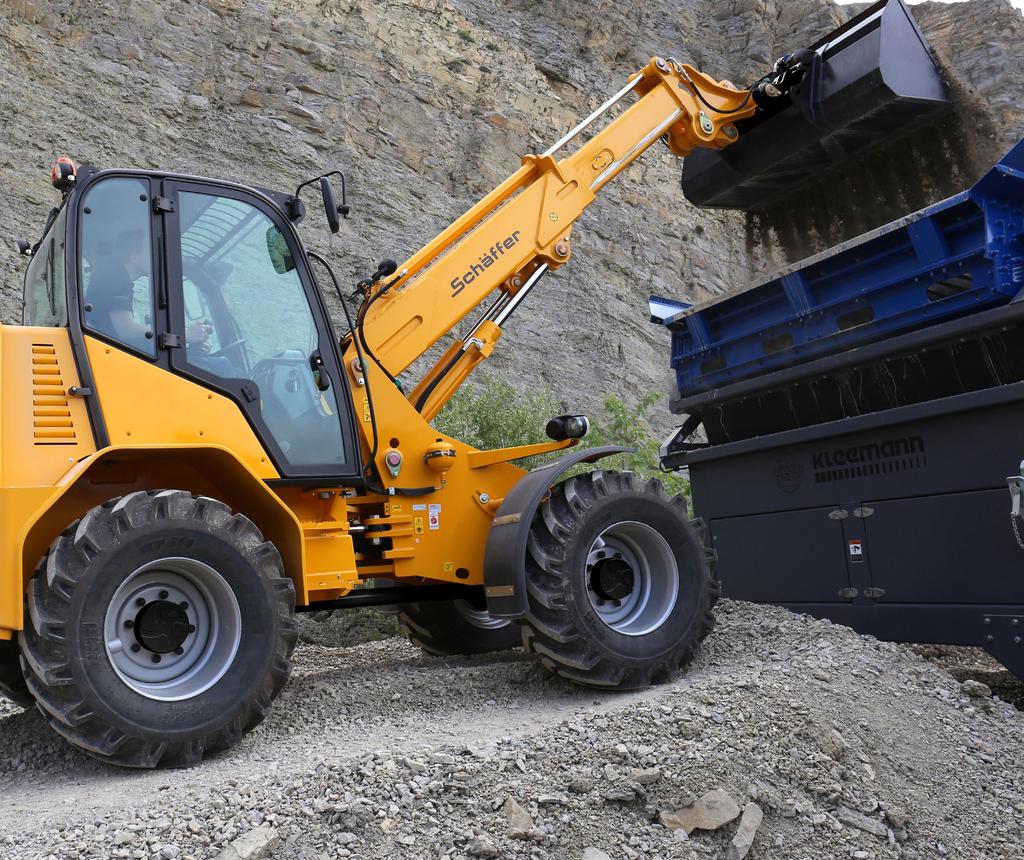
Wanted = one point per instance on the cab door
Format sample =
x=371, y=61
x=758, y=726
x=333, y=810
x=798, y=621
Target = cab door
x=247, y=321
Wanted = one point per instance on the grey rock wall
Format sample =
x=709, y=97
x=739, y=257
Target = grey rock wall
x=428, y=104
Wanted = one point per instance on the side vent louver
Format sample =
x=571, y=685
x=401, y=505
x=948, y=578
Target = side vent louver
x=51, y=413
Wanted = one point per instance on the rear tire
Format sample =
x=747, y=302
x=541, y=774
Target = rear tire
x=12, y=681
x=456, y=627
x=620, y=583
x=161, y=627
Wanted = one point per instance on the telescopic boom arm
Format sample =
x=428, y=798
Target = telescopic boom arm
x=507, y=241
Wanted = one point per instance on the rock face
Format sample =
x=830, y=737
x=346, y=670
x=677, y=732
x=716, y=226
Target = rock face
x=428, y=104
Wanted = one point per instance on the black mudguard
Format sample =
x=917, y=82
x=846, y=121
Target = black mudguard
x=505, y=556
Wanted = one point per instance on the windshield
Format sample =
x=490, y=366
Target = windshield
x=45, y=297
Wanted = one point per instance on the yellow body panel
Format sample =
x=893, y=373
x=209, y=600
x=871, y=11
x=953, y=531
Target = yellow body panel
x=144, y=405
x=449, y=527
x=44, y=430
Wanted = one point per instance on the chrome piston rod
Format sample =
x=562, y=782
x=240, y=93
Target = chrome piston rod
x=608, y=105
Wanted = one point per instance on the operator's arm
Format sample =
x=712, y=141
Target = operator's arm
x=522, y=228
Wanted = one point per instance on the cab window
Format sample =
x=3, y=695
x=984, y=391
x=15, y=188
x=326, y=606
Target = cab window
x=117, y=263
x=248, y=319
x=45, y=298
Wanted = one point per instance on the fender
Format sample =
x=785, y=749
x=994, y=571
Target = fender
x=505, y=555
x=206, y=469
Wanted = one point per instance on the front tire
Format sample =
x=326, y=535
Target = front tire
x=449, y=627
x=620, y=583
x=161, y=627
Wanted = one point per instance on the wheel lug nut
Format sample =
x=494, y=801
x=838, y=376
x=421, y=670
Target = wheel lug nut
x=129, y=624
x=163, y=595
x=183, y=604
x=140, y=601
x=136, y=648
x=156, y=658
x=179, y=650
x=191, y=628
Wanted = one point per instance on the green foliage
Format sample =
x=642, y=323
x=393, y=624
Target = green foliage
x=496, y=415
x=622, y=424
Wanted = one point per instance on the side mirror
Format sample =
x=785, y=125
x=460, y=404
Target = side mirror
x=331, y=206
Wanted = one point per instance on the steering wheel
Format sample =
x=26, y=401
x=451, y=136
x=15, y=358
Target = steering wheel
x=226, y=349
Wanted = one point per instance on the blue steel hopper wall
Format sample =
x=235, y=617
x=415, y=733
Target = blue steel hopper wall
x=952, y=259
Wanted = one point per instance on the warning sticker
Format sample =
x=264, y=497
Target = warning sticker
x=366, y=409
x=419, y=507
x=434, y=517
x=417, y=525
x=448, y=566
x=856, y=550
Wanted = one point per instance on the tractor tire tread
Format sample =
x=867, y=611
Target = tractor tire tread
x=441, y=630
x=46, y=659
x=550, y=633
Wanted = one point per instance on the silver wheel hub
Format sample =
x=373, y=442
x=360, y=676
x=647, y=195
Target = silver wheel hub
x=632, y=578
x=480, y=617
x=172, y=629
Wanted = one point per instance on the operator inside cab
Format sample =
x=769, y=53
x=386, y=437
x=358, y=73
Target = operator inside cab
x=110, y=296
x=111, y=299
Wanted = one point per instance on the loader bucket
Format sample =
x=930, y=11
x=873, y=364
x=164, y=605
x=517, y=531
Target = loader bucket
x=870, y=82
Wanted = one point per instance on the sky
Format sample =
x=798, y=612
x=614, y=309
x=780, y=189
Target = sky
x=1018, y=3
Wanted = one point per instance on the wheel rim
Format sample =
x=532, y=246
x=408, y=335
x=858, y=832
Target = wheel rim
x=480, y=617
x=632, y=578
x=172, y=629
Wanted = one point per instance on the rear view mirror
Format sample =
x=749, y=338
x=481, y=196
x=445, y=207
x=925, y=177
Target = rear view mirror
x=331, y=207
x=280, y=254
x=330, y=204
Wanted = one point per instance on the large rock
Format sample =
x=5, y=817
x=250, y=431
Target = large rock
x=743, y=839
x=519, y=821
x=257, y=844
x=711, y=811
x=851, y=818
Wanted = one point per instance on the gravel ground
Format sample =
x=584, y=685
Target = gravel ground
x=851, y=747
x=975, y=663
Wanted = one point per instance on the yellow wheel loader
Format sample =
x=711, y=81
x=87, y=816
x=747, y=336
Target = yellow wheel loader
x=191, y=452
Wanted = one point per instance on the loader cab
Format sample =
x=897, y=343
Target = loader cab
x=208, y=281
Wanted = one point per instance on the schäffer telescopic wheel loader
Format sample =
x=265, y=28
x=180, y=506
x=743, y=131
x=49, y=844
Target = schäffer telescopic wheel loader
x=190, y=452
